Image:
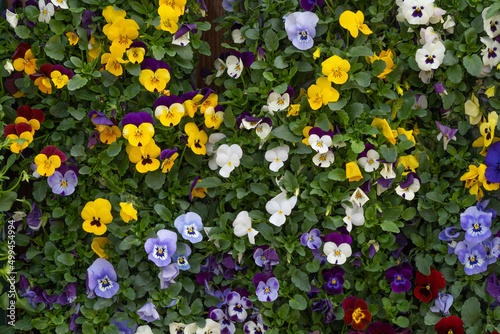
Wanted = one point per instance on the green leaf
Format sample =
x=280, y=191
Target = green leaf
x=32, y=13
x=76, y=82
x=313, y=266
x=57, y=27
x=163, y=212
x=455, y=73
x=268, y=76
x=271, y=40
x=473, y=64
x=114, y=148
x=55, y=49
x=209, y=182
x=363, y=79
x=39, y=190
x=283, y=132
x=338, y=174
x=252, y=34
x=131, y=91
x=301, y=281
x=389, y=226
x=432, y=318
x=259, y=188
x=323, y=122
x=128, y=242
x=360, y=51
x=471, y=312
x=298, y=302
x=66, y=124
x=424, y=263
x=357, y=146
x=158, y=52
x=402, y=322
x=7, y=199
x=390, y=154
x=22, y=31
x=280, y=62
x=335, y=106
x=409, y=213
x=156, y=179
x=66, y=259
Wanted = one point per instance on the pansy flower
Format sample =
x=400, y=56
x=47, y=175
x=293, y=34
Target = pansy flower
x=492, y=25
x=353, y=173
x=277, y=156
x=369, y=160
x=214, y=117
x=169, y=110
x=320, y=140
x=337, y=248
x=237, y=306
x=101, y=279
x=48, y=160
x=354, y=22
x=196, y=138
x=177, y=5
x=16, y=132
x=181, y=36
x=60, y=76
x=448, y=236
x=336, y=68
x=42, y=79
x=72, y=37
x=353, y=216
x=399, y=277
x=417, y=11
x=451, y=324
x=491, y=52
x=228, y=158
x=321, y=93
x=243, y=226
x=168, y=274
x=64, y=180
x=279, y=207
x=148, y=312
x=136, y=52
x=263, y=129
x=211, y=327
x=128, y=327
x=359, y=197
x=25, y=61
x=168, y=157
x=127, y=212
x=409, y=187
x=155, y=74
x=430, y=56
x=195, y=191
x=472, y=256
x=113, y=60
x=161, y=249
x=277, y=102
x=138, y=128
x=189, y=226
x=145, y=157
x=46, y=11
x=387, y=57
x=442, y=303
x=308, y=5
x=168, y=19
x=356, y=312
x=122, y=32
x=267, y=291
x=311, y=239
x=265, y=256
x=236, y=62
x=409, y=162
x=181, y=258
x=301, y=29
x=446, y=133
x=476, y=224
x=388, y=133
x=222, y=317
x=96, y=215
x=99, y=246
x=426, y=287
x=334, y=280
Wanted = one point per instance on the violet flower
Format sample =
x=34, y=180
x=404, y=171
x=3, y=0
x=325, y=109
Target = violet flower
x=472, y=256
x=101, y=279
x=311, y=239
x=99, y=117
x=492, y=161
x=476, y=224
x=148, y=312
x=222, y=295
x=125, y=327
x=69, y=294
x=137, y=118
x=34, y=218
x=161, y=249
x=327, y=309
x=400, y=277
x=446, y=133
x=492, y=287
x=237, y=306
x=189, y=225
x=268, y=291
x=63, y=184
x=87, y=22
x=439, y=88
x=443, y=303
x=168, y=274
x=308, y=5
x=301, y=29
x=448, y=236
x=226, y=324
x=334, y=280
x=264, y=256
x=181, y=258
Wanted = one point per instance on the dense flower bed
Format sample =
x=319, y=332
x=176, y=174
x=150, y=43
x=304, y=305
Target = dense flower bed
x=341, y=174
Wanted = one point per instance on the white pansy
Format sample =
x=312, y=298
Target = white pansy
x=211, y=327
x=491, y=53
x=437, y=15
x=324, y=160
x=408, y=192
x=46, y=11
x=428, y=35
x=430, y=56
x=238, y=37
x=277, y=156
x=370, y=162
x=8, y=66
x=212, y=140
x=263, y=130
x=387, y=171
x=12, y=18
x=183, y=40
x=337, y=254
x=228, y=158
x=175, y=327
x=278, y=102
x=60, y=3
x=320, y=144
x=359, y=197
x=220, y=66
x=426, y=76
x=243, y=226
x=280, y=207
x=144, y=330
x=191, y=329
x=234, y=66
x=491, y=25
x=449, y=24
x=353, y=216
x=417, y=11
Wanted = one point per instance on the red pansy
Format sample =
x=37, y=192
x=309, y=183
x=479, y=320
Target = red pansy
x=450, y=325
x=427, y=286
x=356, y=312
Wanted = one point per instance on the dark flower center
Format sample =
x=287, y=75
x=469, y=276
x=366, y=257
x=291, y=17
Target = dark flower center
x=96, y=222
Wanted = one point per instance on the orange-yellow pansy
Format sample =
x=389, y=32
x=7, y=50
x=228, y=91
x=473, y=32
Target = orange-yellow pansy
x=96, y=215
x=128, y=212
x=145, y=157
x=354, y=22
x=46, y=166
x=26, y=64
x=154, y=81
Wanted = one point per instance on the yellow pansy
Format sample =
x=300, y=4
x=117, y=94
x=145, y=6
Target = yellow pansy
x=190, y=108
x=113, y=60
x=317, y=53
x=293, y=110
x=122, y=32
x=490, y=92
x=352, y=171
x=46, y=166
x=127, y=212
x=336, y=68
x=168, y=163
x=111, y=15
x=94, y=48
x=145, y=157
x=177, y=5
x=136, y=55
x=321, y=93
x=60, y=80
x=409, y=162
x=141, y=134
x=487, y=185
x=196, y=138
x=170, y=116
x=480, y=143
x=96, y=215
x=389, y=134
x=108, y=134
x=472, y=109
x=210, y=101
x=408, y=134
x=388, y=57
x=16, y=147
x=168, y=19
x=27, y=63
x=305, y=133
x=213, y=119
x=72, y=38
x=154, y=81
x=487, y=129
x=99, y=246
x=354, y=22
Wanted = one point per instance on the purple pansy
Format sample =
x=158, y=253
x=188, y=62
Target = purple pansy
x=125, y=327
x=311, y=239
x=254, y=327
x=148, y=312
x=334, y=280
x=308, y=5
x=448, y=235
x=268, y=291
x=222, y=295
x=472, y=256
x=189, y=226
x=326, y=307
x=488, y=248
x=101, y=279
x=222, y=317
x=87, y=22
x=237, y=306
x=63, y=184
x=492, y=162
x=34, y=218
x=476, y=224
x=181, y=258
x=69, y=294
x=161, y=249
x=153, y=64
x=495, y=247
x=265, y=256
x=400, y=277
x=446, y=133
x=492, y=286
x=98, y=117
x=443, y=303
x=168, y=274
x=301, y=29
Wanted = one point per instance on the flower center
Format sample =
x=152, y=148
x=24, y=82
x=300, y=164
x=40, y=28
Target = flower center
x=160, y=252
x=337, y=252
x=428, y=287
x=334, y=281
x=96, y=222
x=104, y=283
x=267, y=289
x=64, y=183
x=358, y=315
